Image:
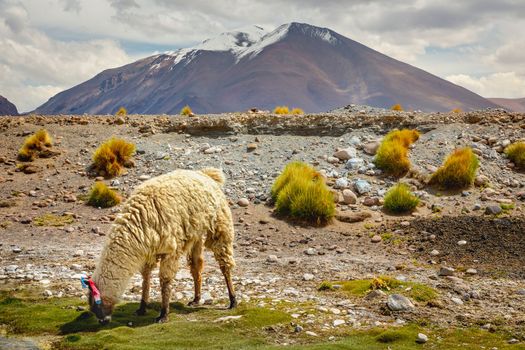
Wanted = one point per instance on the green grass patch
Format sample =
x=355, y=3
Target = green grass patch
x=414, y=290
x=400, y=200
x=101, y=196
x=53, y=220
x=516, y=153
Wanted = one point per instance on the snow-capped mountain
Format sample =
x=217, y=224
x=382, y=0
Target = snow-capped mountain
x=296, y=64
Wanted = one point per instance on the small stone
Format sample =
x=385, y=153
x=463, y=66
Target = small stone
x=513, y=341
x=376, y=293
x=456, y=300
x=311, y=334
x=144, y=177
x=446, y=271
x=434, y=252
x=78, y=253
x=421, y=338
x=493, y=209
x=376, y=239
x=349, y=197
x=362, y=187
x=243, y=202
x=298, y=329
x=342, y=182
x=48, y=293
x=251, y=147
x=471, y=271
x=308, y=277
x=130, y=324
x=370, y=148
x=346, y=153
x=310, y=251
x=338, y=322
x=16, y=250
x=355, y=163
x=272, y=259
x=462, y=242
x=398, y=302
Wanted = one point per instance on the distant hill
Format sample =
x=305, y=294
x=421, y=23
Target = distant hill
x=297, y=64
x=6, y=107
x=512, y=104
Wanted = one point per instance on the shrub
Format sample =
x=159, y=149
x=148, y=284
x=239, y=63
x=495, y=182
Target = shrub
x=186, y=110
x=457, y=110
x=516, y=153
x=281, y=110
x=392, y=154
x=297, y=111
x=122, y=112
x=300, y=192
x=110, y=158
x=397, y=107
x=101, y=196
x=399, y=199
x=325, y=285
x=458, y=171
x=36, y=145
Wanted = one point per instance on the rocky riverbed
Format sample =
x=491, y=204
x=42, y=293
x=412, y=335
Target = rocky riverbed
x=466, y=246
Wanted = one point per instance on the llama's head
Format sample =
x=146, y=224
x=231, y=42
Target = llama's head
x=101, y=306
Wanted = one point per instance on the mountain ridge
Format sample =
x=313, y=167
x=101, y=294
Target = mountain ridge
x=296, y=64
x=7, y=107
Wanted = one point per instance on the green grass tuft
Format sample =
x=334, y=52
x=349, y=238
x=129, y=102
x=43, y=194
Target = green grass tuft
x=301, y=193
x=53, y=220
x=399, y=199
x=458, y=171
x=101, y=196
x=392, y=154
x=516, y=153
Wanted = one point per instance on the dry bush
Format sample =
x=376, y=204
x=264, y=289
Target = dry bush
x=457, y=110
x=101, y=196
x=516, y=153
x=122, y=112
x=36, y=145
x=397, y=107
x=281, y=110
x=186, y=110
x=392, y=154
x=301, y=193
x=112, y=156
x=297, y=111
x=458, y=171
x=399, y=199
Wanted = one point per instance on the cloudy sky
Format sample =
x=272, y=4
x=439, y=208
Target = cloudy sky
x=47, y=46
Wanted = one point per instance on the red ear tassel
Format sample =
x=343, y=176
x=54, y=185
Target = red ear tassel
x=94, y=291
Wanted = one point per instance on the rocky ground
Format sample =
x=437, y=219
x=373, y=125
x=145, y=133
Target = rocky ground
x=468, y=246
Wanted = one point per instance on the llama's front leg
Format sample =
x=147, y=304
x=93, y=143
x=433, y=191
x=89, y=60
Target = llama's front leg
x=226, y=271
x=196, y=263
x=168, y=268
x=146, y=283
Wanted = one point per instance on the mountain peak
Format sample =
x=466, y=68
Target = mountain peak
x=6, y=107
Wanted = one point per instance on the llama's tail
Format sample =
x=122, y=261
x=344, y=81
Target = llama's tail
x=216, y=174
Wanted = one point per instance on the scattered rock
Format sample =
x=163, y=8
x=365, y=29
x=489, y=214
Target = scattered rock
x=421, y=338
x=349, y=197
x=398, y=302
x=308, y=277
x=446, y=271
x=346, y=153
x=376, y=239
x=493, y=209
x=243, y=202
x=351, y=217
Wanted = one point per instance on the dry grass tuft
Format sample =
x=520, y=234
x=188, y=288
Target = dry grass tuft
x=297, y=111
x=458, y=171
x=112, y=156
x=36, y=145
x=300, y=192
x=516, y=153
x=392, y=154
x=281, y=110
x=397, y=107
x=122, y=112
x=186, y=110
x=101, y=196
x=457, y=110
x=399, y=199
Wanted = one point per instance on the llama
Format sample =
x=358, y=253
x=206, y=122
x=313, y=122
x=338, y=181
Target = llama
x=170, y=215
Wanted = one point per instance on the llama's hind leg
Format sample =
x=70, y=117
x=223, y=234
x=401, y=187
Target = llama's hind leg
x=146, y=283
x=167, y=271
x=221, y=243
x=196, y=262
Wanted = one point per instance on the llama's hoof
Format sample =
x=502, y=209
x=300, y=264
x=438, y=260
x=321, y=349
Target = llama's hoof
x=162, y=319
x=194, y=303
x=233, y=303
x=140, y=312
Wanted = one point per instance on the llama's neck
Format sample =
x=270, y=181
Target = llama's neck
x=119, y=261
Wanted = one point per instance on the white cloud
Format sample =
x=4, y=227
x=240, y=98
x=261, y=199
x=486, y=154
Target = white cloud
x=35, y=67
x=507, y=84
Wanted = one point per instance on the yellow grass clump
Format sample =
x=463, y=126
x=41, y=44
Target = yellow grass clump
x=392, y=154
x=516, y=153
x=300, y=192
x=457, y=110
x=112, y=156
x=397, y=107
x=281, y=110
x=101, y=196
x=122, y=112
x=186, y=110
x=458, y=171
x=399, y=199
x=36, y=145
x=297, y=111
